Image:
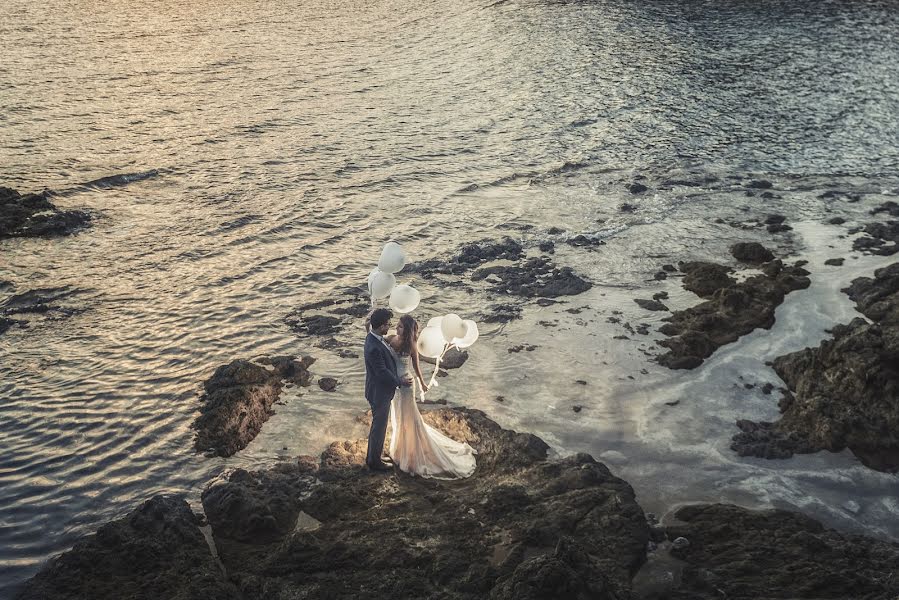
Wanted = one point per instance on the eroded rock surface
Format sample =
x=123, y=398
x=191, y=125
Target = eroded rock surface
x=33, y=215
x=239, y=398
x=741, y=554
x=843, y=393
x=732, y=309
x=157, y=551
x=521, y=527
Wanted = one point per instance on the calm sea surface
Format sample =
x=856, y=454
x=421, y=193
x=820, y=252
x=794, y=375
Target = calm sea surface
x=260, y=153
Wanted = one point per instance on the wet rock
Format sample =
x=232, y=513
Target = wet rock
x=522, y=526
x=878, y=298
x=548, y=247
x=502, y=313
x=453, y=359
x=469, y=257
x=316, y=325
x=577, y=408
x=653, y=305
x=680, y=543
x=704, y=279
x=522, y=347
x=836, y=221
x=627, y=208
x=834, y=262
x=760, y=184
x=33, y=215
x=157, y=551
x=890, y=207
x=238, y=399
x=732, y=310
x=536, y=277
x=842, y=393
x=555, y=231
x=582, y=241
x=637, y=188
x=739, y=553
x=767, y=388
x=660, y=296
x=660, y=275
x=852, y=506
x=669, y=268
x=328, y=384
x=881, y=239
x=778, y=228
x=751, y=252
x=774, y=219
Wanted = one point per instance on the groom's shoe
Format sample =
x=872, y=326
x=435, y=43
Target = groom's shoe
x=380, y=467
x=387, y=460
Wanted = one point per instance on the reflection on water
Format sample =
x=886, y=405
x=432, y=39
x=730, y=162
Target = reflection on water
x=270, y=150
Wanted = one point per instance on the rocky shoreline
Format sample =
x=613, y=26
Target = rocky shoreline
x=525, y=525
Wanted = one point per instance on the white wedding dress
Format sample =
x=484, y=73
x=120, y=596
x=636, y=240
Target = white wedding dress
x=415, y=446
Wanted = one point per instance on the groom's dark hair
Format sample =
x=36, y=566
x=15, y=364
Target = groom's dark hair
x=380, y=316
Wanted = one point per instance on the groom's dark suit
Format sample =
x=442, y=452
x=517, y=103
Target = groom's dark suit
x=381, y=381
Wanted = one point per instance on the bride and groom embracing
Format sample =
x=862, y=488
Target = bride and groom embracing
x=415, y=447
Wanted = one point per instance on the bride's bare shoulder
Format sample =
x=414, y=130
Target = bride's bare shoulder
x=393, y=340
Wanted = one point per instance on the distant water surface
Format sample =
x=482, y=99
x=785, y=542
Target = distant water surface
x=250, y=156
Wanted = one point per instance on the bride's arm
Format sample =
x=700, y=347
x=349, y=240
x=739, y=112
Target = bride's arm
x=417, y=368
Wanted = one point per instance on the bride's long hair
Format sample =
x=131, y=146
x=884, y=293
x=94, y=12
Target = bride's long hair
x=410, y=334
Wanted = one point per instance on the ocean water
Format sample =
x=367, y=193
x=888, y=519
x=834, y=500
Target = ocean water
x=242, y=159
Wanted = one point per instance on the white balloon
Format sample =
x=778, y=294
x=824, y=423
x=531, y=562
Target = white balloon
x=393, y=259
x=435, y=322
x=431, y=342
x=371, y=278
x=404, y=299
x=453, y=326
x=381, y=284
x=471, y=336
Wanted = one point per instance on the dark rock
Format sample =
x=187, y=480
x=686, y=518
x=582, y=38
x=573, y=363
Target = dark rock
x=628, y=208
x=549, y=247
x=157, y=551
x=878, y=236
x=546, y=302
x=522, y=526
x=837, y=221
x=522, y=347
x=555, y=231
x=890, y=207
x=33, y=215
x=660, y=296
x=637, y=188
x=751, y=252
x=760, y=184
x=452, y=359
x=469, y=257
x=653, y=305
x=581, y=241
x=704, y=279
x=739, y=553
x=536, y=277
x=660, y=275
x=238, y=400
x=731, y=311
x=767, y=388
x=580, y=382
x=316, y=325
x=774, y=219
x=328, y=384
x=669, y=268
x=502, y=313
x=834, y=262
x=877, y=298
x=577, y=408
x=778, y=228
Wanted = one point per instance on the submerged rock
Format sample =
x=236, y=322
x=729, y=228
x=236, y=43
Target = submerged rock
x=881, y=239
x=452, y=359
x=732, y=310
x=238, y=400
x=157, y=551
x=842, y=393
x=469, y=257
x=522, y=526
x=744, y=554
x=33, y=215
x=536, y=277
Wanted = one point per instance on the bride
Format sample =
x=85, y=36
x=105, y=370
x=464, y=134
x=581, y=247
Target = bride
x=415, y=446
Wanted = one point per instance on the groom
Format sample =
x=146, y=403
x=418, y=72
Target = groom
x=381, y=381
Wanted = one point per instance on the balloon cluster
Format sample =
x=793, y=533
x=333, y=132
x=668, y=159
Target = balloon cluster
x=382, y=281
x=444, y=333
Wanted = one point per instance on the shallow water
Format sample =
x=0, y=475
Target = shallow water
x=259, y=154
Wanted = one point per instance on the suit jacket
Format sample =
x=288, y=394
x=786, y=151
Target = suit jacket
x=381, y=379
